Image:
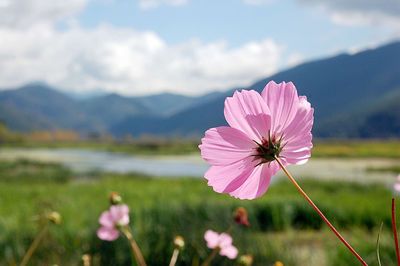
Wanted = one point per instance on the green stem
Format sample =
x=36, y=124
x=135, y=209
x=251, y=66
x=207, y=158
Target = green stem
x=34, y=245
x=304, y=194
x=210, y=257
x=229, y=230
x=378, y=256
x=135, y=248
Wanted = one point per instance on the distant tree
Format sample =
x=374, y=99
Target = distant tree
x=65, y=135
x=7, y=135
x=3, y=132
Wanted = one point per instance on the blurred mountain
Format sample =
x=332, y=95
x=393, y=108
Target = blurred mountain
x=37, y=106
x=380, y=119
x=108, y=109
x=167, y=104
x=352, y=96
x=83, y=95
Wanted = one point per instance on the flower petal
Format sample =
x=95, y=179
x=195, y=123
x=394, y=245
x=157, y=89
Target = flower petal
x=257, y=182
x=282, y=100
x=261, y=126
x=230, y=251
x=120, y=214
x=225, y=240
x=301, y=125
x=225, y=145
x=297, y=136
x=106, y=219
x=107, y=233
x=299, y=157
x=212, y=239
x=244, y=104
x=227, y=178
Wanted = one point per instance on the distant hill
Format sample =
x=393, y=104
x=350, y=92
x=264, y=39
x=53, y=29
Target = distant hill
x=167, y=104
x=354, y=95
x=37, y=106
x=380, y=119
x=351, y=95
x=108, y=109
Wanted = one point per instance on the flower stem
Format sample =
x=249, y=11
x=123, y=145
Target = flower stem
x=86, y=259
x=394, y=228
x=210, y=257
x=304, y=194
x=135, y=248
x=174, y=257
x=378, y=256
x=34, y=245
x=229, y=230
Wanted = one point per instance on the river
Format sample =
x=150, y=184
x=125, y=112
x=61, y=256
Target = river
x=81, y=160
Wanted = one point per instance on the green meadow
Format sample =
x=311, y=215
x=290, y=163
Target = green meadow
x=283, y=227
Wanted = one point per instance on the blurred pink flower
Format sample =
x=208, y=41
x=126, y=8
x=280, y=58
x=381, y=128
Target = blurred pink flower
x=111, y=220
x=242, y=156
x=223, y=242
x=397, y=184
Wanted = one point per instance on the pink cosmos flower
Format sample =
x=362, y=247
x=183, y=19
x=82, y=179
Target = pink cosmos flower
x=276, y=123
x=223, y=242
x=397, y=184
x=116, y=216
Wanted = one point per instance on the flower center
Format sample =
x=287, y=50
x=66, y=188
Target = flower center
x=268, y=149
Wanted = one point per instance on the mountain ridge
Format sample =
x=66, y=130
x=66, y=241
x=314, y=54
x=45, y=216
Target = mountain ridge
x=335, y=86
x=353, y=95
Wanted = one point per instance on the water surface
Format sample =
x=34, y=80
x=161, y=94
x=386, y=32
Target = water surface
x=81, y=160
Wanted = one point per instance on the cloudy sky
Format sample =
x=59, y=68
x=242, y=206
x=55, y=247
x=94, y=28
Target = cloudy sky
x=137, y=47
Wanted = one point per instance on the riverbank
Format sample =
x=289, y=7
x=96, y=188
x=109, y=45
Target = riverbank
x=83, y=161
x=322, y=148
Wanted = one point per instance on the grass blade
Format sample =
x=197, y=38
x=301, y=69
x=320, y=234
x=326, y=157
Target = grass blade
x=377, y=245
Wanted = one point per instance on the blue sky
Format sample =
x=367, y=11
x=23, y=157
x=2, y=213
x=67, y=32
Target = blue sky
x=184, y=46
x=301, y=28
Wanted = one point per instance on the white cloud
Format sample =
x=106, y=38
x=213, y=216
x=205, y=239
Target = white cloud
x=295, y=59
x=128, y=61
x=24, y=13
x=351, y=18
x=361, y=12
x=124, y=60
x=353, y=12
x=148, y=4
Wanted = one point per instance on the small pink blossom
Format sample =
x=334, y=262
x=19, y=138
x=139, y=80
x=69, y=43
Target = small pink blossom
x=221, y=241
x=275, y=123
x=116, y=216
x=397, y=184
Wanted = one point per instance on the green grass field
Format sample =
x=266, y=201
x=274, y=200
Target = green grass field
x=283, y=226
